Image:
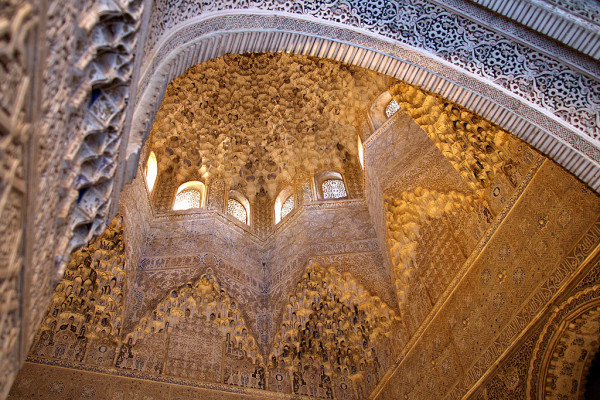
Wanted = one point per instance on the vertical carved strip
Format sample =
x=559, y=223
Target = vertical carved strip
x=17, y=21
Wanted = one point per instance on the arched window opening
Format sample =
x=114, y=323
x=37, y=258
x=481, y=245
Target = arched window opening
x=330, y=186
x=392, y=108
x=237, y=210
x=284, y=203
x=151, y=171
x=238, y=207
x=361, y=152
x=189, y=195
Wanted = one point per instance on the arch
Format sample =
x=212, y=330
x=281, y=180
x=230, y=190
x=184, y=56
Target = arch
x=215, y=35
x=312, y=308
x=282, y=203
x=151, y=171
x=569, y=337
x=330, y=186
x=238, y=207
x=207, y=299
x=190, y=195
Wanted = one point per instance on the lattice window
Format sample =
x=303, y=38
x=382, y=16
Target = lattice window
x=187, y=198
x=334, y=189
x=288, y=206
x=392, y=108
x=238, y=211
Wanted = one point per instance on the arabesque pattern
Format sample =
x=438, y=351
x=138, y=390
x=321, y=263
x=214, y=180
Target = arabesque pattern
x=206, y=299
x=536, y=76
x=479, y=150
x=331, y=323
x=89, y=299
x=404, y=218
x=259, y=120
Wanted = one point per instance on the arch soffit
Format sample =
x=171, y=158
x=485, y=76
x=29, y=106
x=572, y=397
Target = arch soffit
x=559, y=322
x=206, y=38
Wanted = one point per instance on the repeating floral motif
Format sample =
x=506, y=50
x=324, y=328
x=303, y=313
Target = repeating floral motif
x=541, y=79
x=587, y=9
x=17, y=21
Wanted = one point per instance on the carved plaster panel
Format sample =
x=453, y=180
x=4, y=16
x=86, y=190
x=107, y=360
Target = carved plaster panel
x=18, y=21
x=548, y=213
x=461, y=40
x=258, y=121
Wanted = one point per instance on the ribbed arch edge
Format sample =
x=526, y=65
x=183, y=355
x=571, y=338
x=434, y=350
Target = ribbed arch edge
x=205, y=39
x=571, y=29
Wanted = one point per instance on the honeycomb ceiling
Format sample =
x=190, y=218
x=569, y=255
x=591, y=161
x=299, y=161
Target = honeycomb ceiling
x=259, y=120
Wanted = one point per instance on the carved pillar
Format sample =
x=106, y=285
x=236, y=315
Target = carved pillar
x=164, y=191
x=354, y=180
x=216, y=195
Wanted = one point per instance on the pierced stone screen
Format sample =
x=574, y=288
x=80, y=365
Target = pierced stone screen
x=334, y=189
x=287, y=206
x=236, y=209
x=186, y=199
x=392, y=108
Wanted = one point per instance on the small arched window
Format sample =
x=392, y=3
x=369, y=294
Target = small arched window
x=151, y=171
x=392, y=108
x=361, y=152
x=284, y=203
x=238, y=207
x=189, y=195
x=330, y=186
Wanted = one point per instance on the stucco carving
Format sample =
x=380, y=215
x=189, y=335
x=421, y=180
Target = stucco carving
x=332, y=320
x=479, y=150
x=205, y=298
x=17, y=21
x=88, y=301
x=257, y=121
x=540, y=219
x=404, y=218
x=438, y=28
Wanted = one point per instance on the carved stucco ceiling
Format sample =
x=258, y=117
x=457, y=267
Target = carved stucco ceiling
x=258, y=120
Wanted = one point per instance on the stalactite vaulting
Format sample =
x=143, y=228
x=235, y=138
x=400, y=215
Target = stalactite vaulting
x=206, y=298
x=404, y=218
x=258, y=120
x=478, y=149
x=89, y=299
x=333, y=321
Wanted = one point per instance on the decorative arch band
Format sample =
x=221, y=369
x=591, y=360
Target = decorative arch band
x=205, y=38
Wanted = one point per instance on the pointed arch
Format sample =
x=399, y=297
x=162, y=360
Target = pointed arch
x=203, y=297
x=564, y=142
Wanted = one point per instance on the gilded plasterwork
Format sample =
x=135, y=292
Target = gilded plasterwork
x=87, y=304
x=333, y=332
x=405, y=219
x=259, y=120
x=447, y=245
